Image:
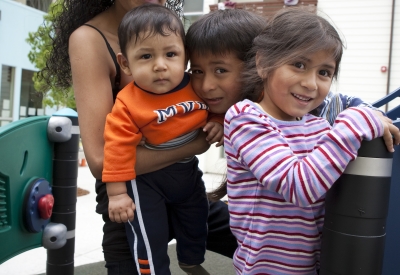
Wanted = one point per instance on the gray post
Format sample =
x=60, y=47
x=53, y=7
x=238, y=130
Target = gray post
x=63, y=130
x=356, y=208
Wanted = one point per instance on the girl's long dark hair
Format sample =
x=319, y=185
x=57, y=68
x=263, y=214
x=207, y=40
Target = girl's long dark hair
x=73, y=14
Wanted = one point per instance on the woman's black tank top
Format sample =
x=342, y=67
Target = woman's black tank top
x=117, y=81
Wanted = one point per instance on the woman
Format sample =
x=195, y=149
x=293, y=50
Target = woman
x=83, y=55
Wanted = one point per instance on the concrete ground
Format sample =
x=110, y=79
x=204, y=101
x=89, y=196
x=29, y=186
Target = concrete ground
x=88, y=258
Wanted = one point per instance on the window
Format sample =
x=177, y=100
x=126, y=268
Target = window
x=6, y=92
x=193, y=6
x=31, y=100
x=42, y=5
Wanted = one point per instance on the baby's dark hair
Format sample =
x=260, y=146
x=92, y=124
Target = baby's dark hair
x=224, y=31
x=291, y=33
x=148, y=20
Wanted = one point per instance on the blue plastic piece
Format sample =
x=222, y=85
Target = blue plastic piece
x=391, y=263
x=38, y=188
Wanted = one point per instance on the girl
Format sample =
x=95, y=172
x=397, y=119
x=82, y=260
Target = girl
x=282, y=160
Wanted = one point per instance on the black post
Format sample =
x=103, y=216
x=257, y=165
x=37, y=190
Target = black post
x=356, y=208
x=64, y=131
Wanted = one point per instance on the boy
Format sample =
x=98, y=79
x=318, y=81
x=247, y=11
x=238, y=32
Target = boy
x=161, y=106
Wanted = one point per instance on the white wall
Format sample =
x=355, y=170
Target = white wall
x=395, y=68
x=207, y=4
x=365, y=25
x=13, y=47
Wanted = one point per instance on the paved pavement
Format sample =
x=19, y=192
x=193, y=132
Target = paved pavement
x=88, y=251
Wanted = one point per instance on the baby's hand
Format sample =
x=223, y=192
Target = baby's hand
x=121, y=208
x=215, y=133
x=391, y=134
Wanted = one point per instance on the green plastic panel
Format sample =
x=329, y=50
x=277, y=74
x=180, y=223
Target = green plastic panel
x=25, y=155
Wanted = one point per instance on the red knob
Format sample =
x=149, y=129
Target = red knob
x=45, y=206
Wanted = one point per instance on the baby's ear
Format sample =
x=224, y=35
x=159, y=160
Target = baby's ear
x=261, y=73
x=124, y=64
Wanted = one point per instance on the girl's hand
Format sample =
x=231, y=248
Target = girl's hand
x=391, y=134
x=215, y=133
x=121, y=208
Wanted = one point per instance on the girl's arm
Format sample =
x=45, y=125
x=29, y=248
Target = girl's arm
x=268, y=156
x=335, y=103
x=93, y=72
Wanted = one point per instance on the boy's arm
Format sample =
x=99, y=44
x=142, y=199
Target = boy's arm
x=216, y=118
x=215, y=133
x=335, y=103
x=301, y=181
x=215, y=129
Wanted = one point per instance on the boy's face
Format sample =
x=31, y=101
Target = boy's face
x=157, y=63
x=217, y=79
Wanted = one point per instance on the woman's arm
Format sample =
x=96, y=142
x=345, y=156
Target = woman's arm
x=91, y=70
x=152, y=160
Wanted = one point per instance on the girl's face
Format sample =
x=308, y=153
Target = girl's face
x=216, y=80
x=293, y=90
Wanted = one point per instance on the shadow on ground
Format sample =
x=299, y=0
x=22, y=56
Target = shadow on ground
x=214, y=263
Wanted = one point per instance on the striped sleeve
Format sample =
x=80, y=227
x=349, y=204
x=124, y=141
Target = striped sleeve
x=335, y=103
x=256, y=143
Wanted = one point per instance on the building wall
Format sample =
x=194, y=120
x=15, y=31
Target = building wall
x=23, y=19
x=365, y=26
x=14, y=55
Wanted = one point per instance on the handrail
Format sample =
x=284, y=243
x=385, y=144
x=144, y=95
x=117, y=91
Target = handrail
x=387, y=99
x=394, y=113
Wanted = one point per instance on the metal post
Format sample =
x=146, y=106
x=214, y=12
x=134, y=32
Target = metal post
x=64, y=131
x=356, y=208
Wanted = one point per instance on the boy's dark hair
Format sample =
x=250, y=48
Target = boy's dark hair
x=291, y=33
x=224, y=31
x=151, y=18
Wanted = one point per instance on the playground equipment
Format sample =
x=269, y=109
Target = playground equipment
x=356, y=207
x=39, y=158
x=38, y=176
x=362, y=210
x=391, y=261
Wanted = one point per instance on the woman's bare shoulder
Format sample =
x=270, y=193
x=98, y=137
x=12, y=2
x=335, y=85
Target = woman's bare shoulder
x=85, y=34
